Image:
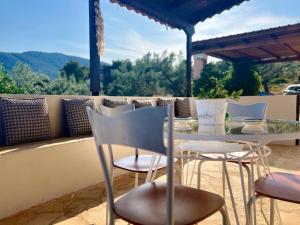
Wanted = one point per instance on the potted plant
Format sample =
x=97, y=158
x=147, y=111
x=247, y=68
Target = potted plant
x=212, y=105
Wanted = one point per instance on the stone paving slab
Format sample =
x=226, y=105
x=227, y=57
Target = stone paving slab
x=87, y=207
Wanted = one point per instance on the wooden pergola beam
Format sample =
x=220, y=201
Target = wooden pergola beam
x=248, y=40
x=282, y=59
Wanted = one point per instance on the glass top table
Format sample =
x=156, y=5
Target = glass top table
x=267, y=131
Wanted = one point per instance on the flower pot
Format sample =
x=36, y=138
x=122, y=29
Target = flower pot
x=211, y=111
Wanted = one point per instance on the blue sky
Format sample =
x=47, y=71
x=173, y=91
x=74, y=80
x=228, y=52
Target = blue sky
x=62, y=26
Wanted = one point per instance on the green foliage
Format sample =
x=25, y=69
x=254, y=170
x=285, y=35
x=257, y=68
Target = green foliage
x=31, y=82
x=278, y=75
x=73, y=68
x=245, y=77
x=218, y=91
x=151, y=75
x=7, y=84
x=220, y=71
x=65, y=86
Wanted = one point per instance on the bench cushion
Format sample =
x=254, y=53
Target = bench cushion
x=76, y=115
x=141, y=103
x=112, y=103
x=25, y=120
x=2, y=134
x=182, y=107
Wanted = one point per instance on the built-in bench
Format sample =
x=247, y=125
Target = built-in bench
x=37, y=172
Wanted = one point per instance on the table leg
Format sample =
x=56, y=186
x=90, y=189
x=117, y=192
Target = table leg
x=231, y=193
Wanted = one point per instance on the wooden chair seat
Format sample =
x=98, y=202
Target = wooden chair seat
x=139, y=164
x=281, y=186
x=147, y=205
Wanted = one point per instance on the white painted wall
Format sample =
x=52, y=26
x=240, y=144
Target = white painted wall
x=35, y=173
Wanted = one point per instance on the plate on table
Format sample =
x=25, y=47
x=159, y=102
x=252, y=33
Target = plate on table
x=252, y=122
x=257, y=129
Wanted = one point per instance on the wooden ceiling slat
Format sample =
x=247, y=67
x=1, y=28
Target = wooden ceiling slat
x=172, y=6
x=271, y=45
x=291, y=48
x=269, y=52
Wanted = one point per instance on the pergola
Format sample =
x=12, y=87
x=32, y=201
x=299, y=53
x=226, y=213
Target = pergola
x=179, y=14
x=278, y=44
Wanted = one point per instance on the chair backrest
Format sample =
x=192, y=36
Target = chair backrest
x=107, y=111
x=253, y=111
x=141, y=128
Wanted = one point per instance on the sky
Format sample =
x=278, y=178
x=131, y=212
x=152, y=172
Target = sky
x=62, y=26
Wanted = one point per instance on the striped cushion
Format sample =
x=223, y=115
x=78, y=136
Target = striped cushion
x=76, y=115
x=114, y=103
x=25, y=120
x=182, y=107
x=141, y=103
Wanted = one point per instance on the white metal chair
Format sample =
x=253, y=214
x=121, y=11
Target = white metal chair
x=237, y=112
x=253, y=111
x=137, y=163
x=150, y=203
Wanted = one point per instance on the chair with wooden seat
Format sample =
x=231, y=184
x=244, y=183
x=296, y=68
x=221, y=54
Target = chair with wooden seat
x=279, y=186
x=137, y=163
x=151, y=203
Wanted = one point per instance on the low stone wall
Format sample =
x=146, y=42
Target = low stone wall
x=34, y=173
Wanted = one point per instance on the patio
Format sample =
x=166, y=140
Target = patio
x=87, y=206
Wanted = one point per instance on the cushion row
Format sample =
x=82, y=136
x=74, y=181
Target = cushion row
x=27, y=120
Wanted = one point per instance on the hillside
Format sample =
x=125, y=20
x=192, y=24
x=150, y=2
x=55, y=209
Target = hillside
x=48, y=63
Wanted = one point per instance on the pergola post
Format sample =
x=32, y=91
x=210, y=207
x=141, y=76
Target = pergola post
x=189, y=35
x=94, y=54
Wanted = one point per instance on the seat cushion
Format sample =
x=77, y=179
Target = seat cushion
x=76, y=115
x=147, y=205
x=182, y=107
x=141, y=103
x=112, y=103
x=25, y=120
x=139, y=164
x=282, y=186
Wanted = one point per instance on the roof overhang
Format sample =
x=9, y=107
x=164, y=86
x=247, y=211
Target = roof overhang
x=278, y=44
x=180, y=14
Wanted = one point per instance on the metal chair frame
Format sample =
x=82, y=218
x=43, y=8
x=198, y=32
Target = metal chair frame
x=128, y=129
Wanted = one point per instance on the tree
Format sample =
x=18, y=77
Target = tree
x=7, y=84
x=245, y=77
x=67, y=86
x=31, y=82
x=73, y=68
x=213, y=73
x=150, y=75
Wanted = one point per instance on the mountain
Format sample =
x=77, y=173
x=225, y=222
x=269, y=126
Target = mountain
x=48, y=63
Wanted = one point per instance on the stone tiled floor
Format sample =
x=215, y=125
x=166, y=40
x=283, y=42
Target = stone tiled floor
x=87, y=207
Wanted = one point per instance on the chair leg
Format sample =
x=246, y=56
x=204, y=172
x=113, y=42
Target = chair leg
x=272, y=211
x=136, y=180
x=112, y=186
x=244, y=193
x=199, y=173
x=225, y=217
x=249, y=206
x=249, y=179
